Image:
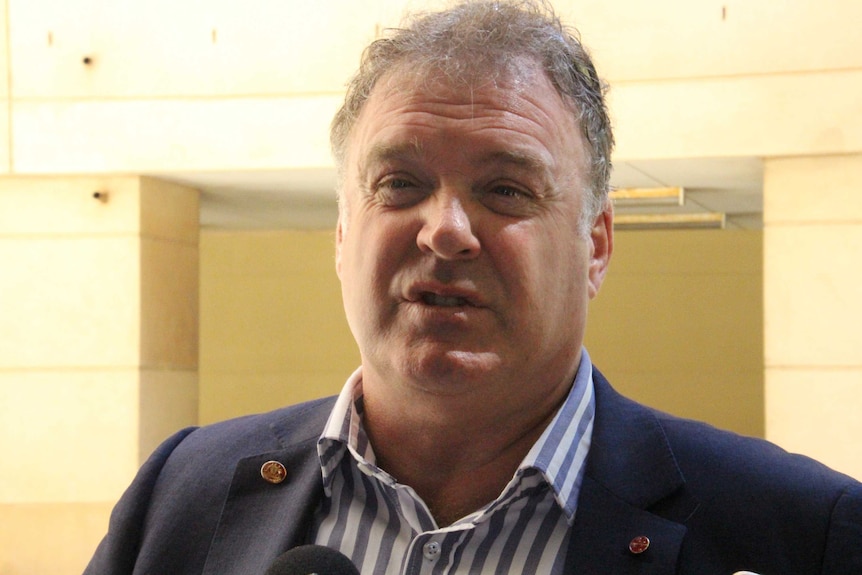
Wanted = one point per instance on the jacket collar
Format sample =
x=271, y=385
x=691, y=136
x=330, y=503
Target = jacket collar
x=262, y=519
x=632, y=487
x=631, y=474
x=630, y=455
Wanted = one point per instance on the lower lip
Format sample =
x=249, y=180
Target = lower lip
x=457, y=313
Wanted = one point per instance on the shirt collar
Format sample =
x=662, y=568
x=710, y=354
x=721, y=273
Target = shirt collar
x=559, y=455
x=344, y=431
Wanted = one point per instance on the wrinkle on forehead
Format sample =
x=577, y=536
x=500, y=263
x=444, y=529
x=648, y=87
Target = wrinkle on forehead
x=514, y=77
x=489, y=94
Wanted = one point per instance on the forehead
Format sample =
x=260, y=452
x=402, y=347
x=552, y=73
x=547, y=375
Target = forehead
x=522, y=110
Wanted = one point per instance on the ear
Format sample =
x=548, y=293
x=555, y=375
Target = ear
x=602, y=240
x=339, y=239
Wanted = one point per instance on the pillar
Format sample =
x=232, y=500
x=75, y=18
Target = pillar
x=98, y=352
x=813, y=307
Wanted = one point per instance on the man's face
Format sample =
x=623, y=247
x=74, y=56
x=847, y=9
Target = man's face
x=458, y=246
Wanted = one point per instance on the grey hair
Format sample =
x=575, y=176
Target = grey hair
x=480, y=39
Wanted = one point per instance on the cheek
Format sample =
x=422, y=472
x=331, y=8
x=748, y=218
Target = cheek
x=373, y=249
x=561, y=268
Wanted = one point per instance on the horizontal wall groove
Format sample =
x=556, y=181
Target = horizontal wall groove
x=48, y=236
x=619, y=82
x=54, y=369
x=197, y=97
x=169, y=240
x=811, y=367
x=812, y=223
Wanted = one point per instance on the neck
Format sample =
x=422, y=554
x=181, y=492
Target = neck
x=457, y=452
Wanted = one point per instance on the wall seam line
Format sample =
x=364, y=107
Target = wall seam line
x=9, y=106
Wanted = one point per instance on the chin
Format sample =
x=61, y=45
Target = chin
x=450, y=370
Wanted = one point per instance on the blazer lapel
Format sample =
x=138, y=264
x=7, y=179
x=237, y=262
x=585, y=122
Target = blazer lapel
x=261, y=519
x=607, y=537
x=632, y=490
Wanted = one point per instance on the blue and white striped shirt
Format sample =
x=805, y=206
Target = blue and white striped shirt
x=386, y=529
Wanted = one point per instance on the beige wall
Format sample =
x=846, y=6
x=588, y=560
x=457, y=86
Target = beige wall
x=172, y=89
x=678, y=323
x=272, y=328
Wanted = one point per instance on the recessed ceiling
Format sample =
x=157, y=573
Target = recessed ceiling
x=305, y=199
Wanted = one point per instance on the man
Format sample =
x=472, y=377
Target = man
x=473, y=152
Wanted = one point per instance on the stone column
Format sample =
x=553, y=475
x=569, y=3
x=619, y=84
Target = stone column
x=813, y=307
x=98, y=352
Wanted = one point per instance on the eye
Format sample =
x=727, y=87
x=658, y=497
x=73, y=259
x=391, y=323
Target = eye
x=398, y=191
x=507, y=191
x=508, y=199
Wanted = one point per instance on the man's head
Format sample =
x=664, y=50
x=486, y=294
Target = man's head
x=468, y=244
x=481, y=41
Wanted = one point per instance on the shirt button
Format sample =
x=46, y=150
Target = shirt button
x=431, y=550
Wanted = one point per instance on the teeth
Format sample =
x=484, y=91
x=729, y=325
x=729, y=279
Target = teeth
x=434, y=299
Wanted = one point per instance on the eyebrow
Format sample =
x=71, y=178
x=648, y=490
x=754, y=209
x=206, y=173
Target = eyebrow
x=414, y=149
x=380, y=153
x=530, y=162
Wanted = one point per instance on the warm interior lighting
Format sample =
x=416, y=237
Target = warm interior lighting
x=679, y=221
x=647, y=196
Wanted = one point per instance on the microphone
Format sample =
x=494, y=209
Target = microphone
x=312, y=560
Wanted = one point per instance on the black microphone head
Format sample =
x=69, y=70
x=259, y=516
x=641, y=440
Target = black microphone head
x=312, y=559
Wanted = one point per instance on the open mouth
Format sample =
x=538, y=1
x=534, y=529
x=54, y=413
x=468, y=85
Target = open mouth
x=434, y=299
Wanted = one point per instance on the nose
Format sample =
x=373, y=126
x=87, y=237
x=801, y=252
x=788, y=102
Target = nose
x=447, y=230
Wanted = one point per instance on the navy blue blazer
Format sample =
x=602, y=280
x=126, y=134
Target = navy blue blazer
x=710, y=502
